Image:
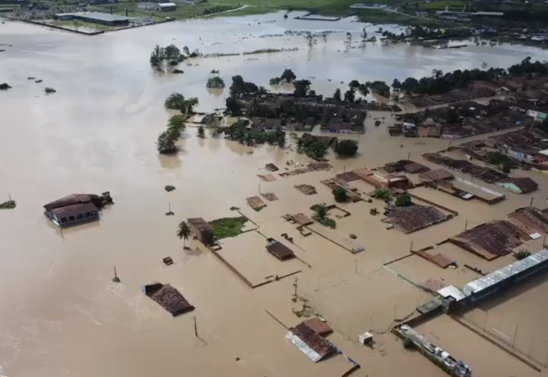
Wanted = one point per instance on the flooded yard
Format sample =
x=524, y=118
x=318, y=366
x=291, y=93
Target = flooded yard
x=60, y=314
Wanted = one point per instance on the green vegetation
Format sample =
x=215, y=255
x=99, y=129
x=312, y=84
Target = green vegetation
x=403, y=200
x=382, y=194
x=241, y=87
x=162, y=56
x=340, y=194
x=522, y=254
x=345, y=148
x=166, y=141
x=177, y=101
x=353, y=236
x=183, y=11
x=10, y=204
x=215, y=83
x=312, y=147
x=321, y=215
x=228, y=226
x=169, y=188
x=239, y=132
x=504, y=162
x=373, y=211
x=377, y=16
x=440, y=5
x=287, y=76
x=183, y=232
x=201, y=132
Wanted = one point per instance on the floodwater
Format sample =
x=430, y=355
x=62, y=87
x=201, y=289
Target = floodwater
x=59, y=313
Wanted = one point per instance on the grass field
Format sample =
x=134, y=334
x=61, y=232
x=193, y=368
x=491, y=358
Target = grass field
x=183, y=11
x=375, y=16
x=452, y=4
x=76, y=24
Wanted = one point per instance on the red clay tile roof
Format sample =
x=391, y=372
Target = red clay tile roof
x=169, y=298
x=280, y=251
x=320, y=327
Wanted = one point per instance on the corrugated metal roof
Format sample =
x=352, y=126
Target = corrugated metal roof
x=309, y=352
x=505, y=272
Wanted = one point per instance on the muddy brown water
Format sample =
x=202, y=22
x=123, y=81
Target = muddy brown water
x=59, y=313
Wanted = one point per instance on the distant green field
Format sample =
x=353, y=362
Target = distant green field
x=442, y=4
x=375, y=16
x=76, y=24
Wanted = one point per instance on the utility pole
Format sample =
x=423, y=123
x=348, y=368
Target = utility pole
x=115, y=279
x=409, y=156
x=466, y=225
x=531, y=204
x=295, y=285
x=195, y=327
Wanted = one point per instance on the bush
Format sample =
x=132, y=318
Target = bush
x=373, y=211
x=215, y=83
x=346, y=148
x=403, y=200
x=522, y=254
x=340, y=194
x=169, y=188
x=382, y=194
x=353, y=236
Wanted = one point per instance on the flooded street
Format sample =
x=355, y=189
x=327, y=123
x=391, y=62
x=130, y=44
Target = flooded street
x=60, y=315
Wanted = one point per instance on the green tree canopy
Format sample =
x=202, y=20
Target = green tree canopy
x=346, y=148
x=288, y=75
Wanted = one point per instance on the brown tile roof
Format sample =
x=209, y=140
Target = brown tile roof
x=302, y=219
x=71, y=200
x=415, y=217
x=436, y=175
x=349, y=176
x=74, y=210
x=490, y=240
x=279, y=250
x=525, y=185
x=306, y=189
x=529, y=220
x=255, y=202
x=168, y=298
x=313, y=340
x=200, y=224
x=320, y=327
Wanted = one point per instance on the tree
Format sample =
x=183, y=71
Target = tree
x=348, y=37
x=363, y=90
x=382, y=194
x=166, y=143
x=396, y=85
x=506, y=166
x=451, y=116
x=337, y=95
x=340, y=194
x=215, y=83
x=495, y=158
x=183, y=232
x=321, y=215
x=174, y=101
x=288, y=75
x=157, y=56
x=275, y=81
x=346, y=148
x=403, y=200
x=301, y=88
x=233, y=106
x=349, y=96
x=187, y=107
x=201, y=132
x=437, y=73
x=354, y=84
x=176, y=124
x=172, y=53
x=240, y=87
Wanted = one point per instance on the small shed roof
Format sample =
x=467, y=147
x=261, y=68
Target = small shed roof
x=319, y=326
x=302, y=219
x=436, y=175
x=74, y=210
x=279, y=250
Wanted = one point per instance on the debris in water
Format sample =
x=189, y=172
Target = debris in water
x=10, y=204
x=4, y=86
x=31, y=78
x=168, y=261
x=50, y=90
x=38, y=81
x=169, y=188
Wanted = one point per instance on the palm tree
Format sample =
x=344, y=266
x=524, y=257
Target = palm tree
x=183, y=232
x=321, y=211
x=437, y=73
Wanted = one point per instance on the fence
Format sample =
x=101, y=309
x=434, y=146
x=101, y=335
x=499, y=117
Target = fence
x=527, y=339
x=362, y=298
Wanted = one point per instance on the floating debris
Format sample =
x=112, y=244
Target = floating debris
x=50, y=90
x=4, y=86
x=169, y=188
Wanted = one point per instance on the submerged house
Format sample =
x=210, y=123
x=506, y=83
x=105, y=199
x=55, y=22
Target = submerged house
x=201, y=230
x=518, y=185
x=76, y=209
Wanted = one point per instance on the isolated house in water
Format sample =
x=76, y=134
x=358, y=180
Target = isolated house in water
x=76, y=209
x=201, y=230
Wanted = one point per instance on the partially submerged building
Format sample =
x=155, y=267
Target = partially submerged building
x=76, y=209
x=96, y=18
x=310, y=342
x=530, y=220
x=518, y=185
x=434, y=353
x=279, y=250
x=506, y=276
x=490, y=240
x=201, y=230
x=168, y=298
x=415, y=217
